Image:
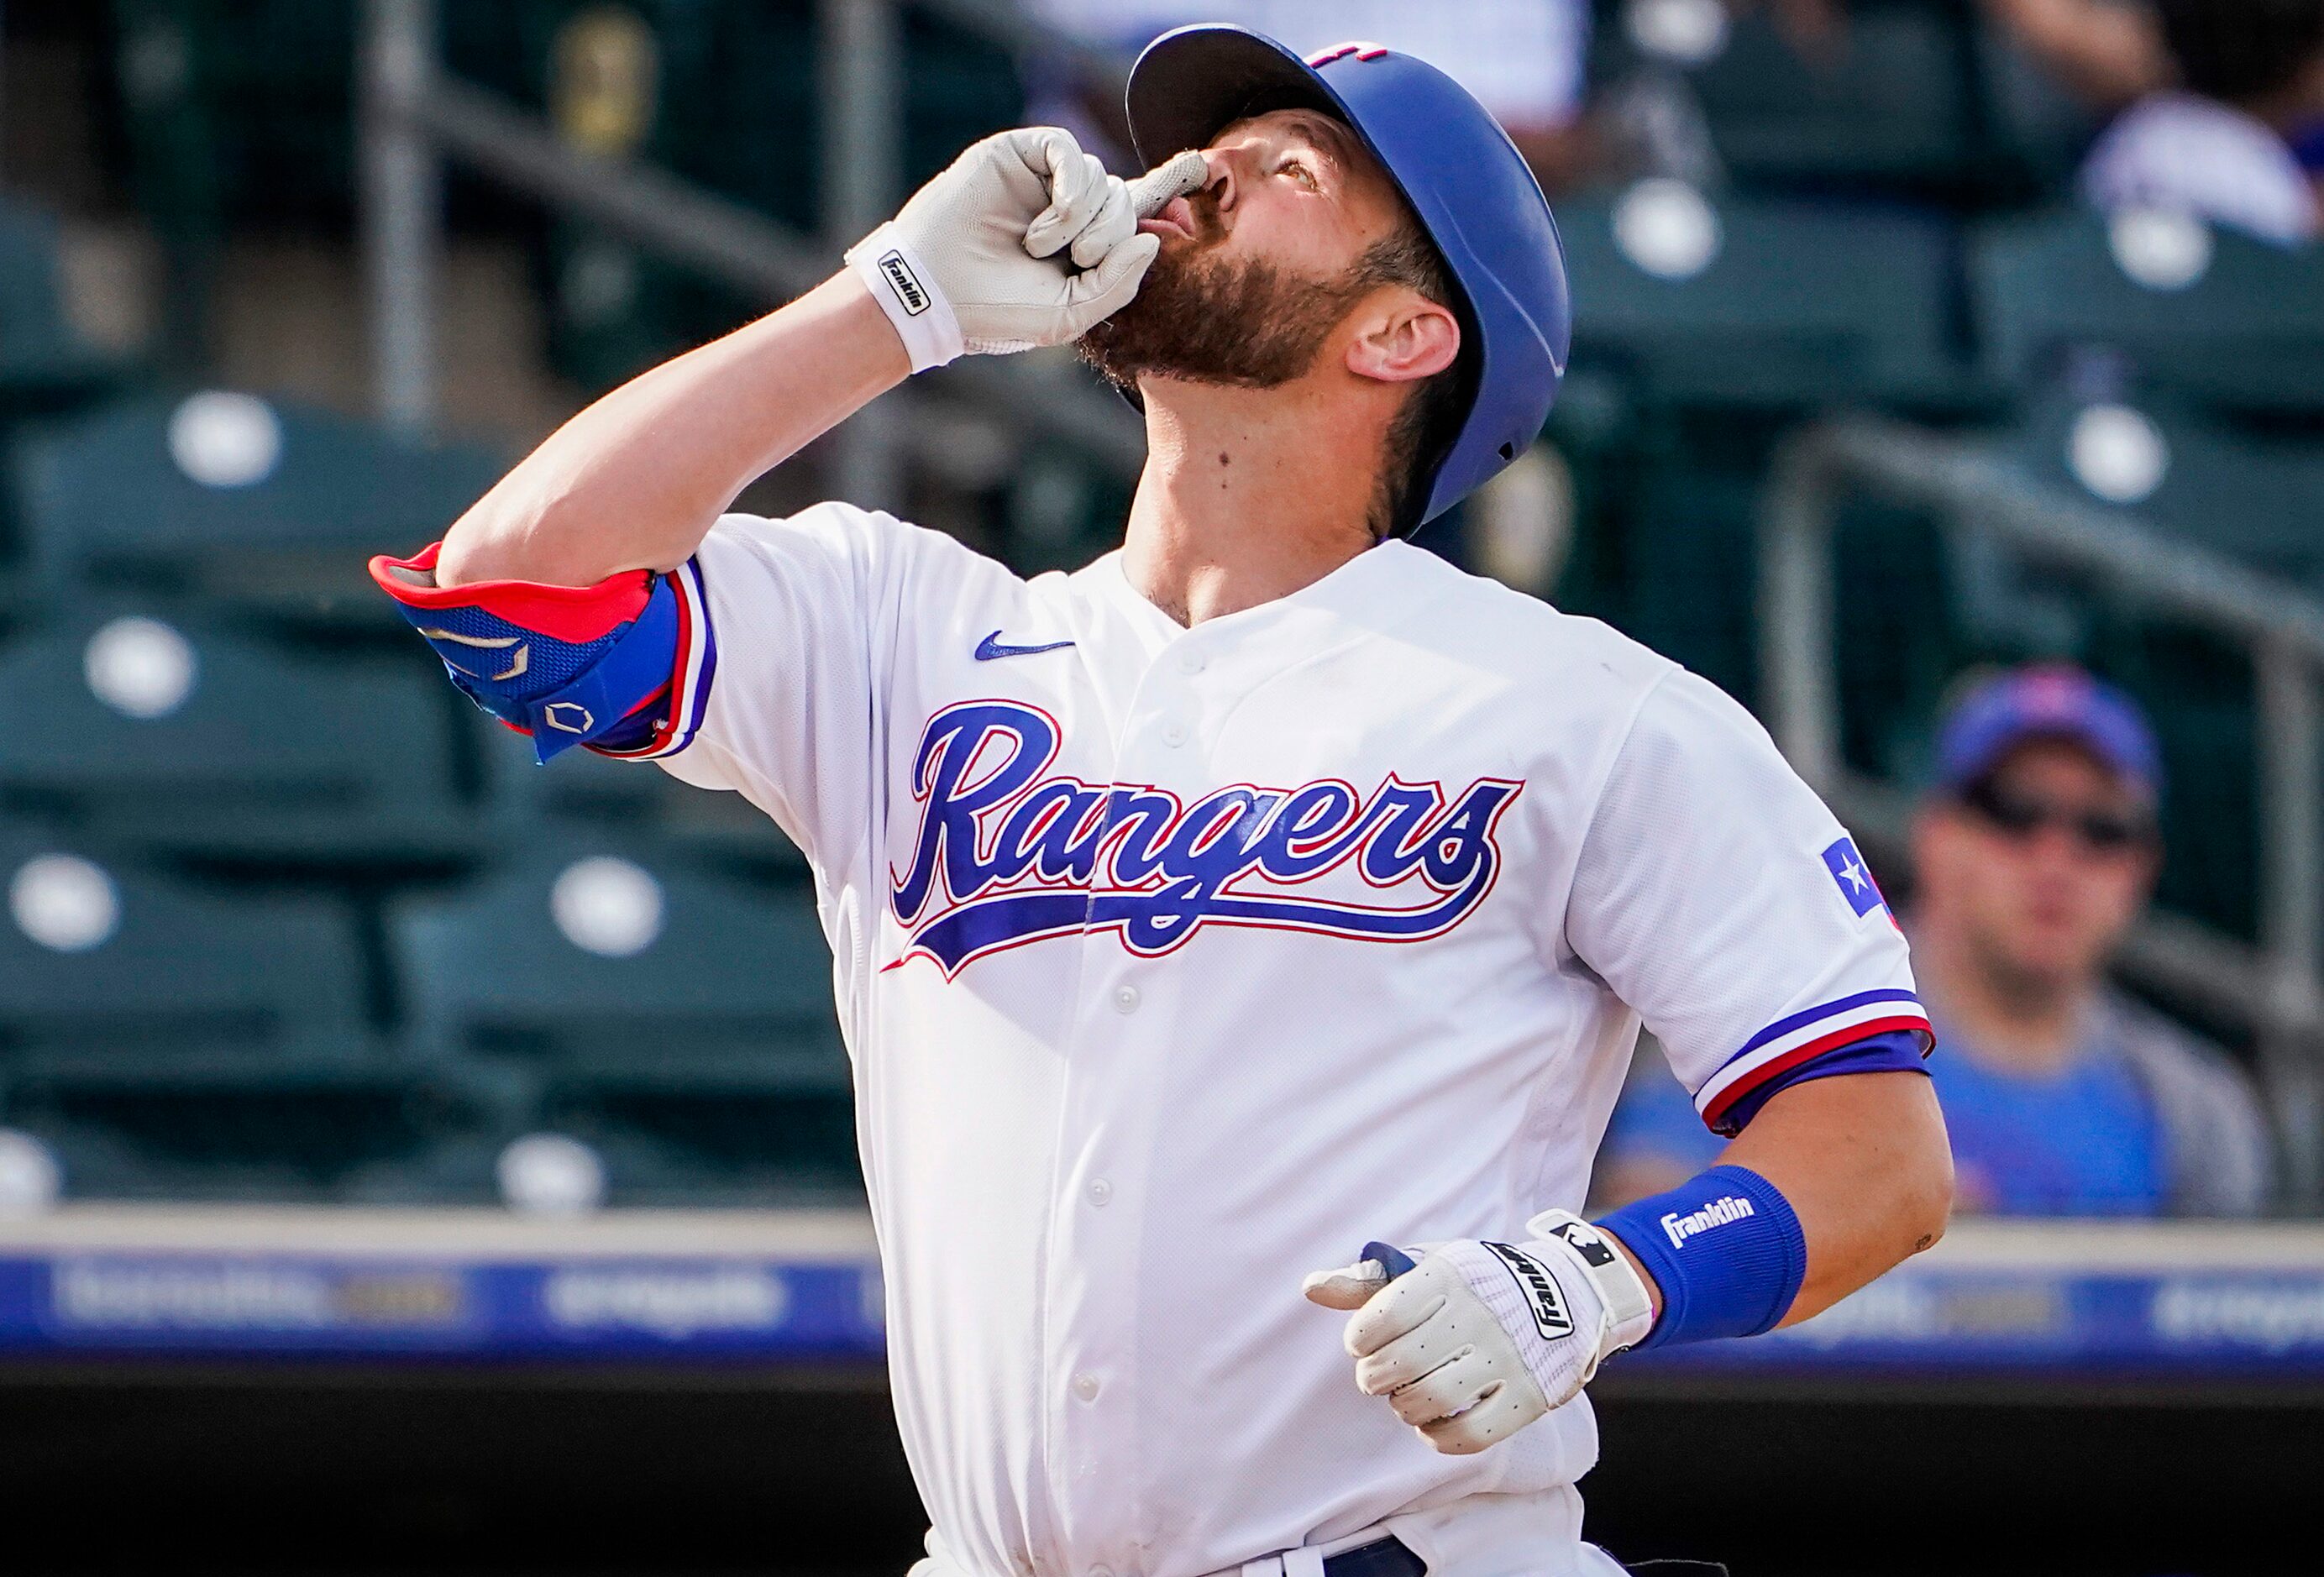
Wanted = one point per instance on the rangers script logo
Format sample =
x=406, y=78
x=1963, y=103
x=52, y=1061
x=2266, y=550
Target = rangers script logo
x=1006, y=855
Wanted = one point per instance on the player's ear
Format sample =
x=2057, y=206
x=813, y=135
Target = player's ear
x=1402, y=337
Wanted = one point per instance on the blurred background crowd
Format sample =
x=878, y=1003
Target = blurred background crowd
x=289, y=924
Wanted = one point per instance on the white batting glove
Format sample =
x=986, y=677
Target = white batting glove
x=1024, y=240
x=1478, y=1340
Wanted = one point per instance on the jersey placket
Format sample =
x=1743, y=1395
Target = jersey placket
x=1122, y=1039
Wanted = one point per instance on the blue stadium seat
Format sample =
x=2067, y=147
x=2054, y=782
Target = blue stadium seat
x=2225, y=318
x=1761, y=303
x=44, y=359
x=2039, y=130
x=235, y=497
x=2257, y=500
x=185, y=737
x=721, y=830
x=681, y=1023
x=169, y=1040
x=190, y=1129
x=1890, y=100
x=102, y=959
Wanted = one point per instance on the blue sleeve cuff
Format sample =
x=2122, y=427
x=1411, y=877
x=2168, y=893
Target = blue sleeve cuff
x=1896, y=1051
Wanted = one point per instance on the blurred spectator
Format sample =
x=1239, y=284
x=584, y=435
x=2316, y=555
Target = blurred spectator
x=1523, y=58
x=2219, y=144
x=2032, y=855
x=2105, y=53
x=1816, y=28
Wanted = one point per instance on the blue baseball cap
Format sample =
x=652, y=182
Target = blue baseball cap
x=2048, y=701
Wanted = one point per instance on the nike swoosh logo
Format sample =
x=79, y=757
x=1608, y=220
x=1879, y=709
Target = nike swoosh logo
x=990, y=648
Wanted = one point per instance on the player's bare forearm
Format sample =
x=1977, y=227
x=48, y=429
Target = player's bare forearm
x=1864, y=1160
x=637, y=480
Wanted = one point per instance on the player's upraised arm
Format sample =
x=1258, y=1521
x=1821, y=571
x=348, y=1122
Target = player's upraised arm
x=636, y=480
x=1024, y=240
x=554, y=601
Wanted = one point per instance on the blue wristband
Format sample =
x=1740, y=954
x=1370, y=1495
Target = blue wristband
x=1725, y=1249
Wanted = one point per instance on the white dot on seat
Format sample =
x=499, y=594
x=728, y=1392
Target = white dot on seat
x=548, y=1174
x=1666, y=228
x=140, y=667
x=1687, y=32
x=30, y=1177
x=2118, y=454
x=223, y=440
x=606, y=906
x=2159, y=248
x=64, y=903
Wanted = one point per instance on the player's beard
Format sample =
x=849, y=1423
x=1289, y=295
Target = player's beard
x=1208, y=318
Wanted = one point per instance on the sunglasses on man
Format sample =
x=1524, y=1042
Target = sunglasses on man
x=2020, y=816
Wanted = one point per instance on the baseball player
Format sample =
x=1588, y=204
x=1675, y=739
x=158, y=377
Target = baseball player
x=1266, y=897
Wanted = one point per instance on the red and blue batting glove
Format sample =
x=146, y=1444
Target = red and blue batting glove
x=566, y=665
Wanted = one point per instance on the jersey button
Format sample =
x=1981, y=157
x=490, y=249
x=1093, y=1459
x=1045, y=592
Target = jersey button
x=1100, y=1572
x=1086, y=1387
x=1189, y=662
x=1174, y=734
x=1125, y=999
x=1101, y=1191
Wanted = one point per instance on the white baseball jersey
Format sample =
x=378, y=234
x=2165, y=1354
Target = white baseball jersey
x=1175, y=964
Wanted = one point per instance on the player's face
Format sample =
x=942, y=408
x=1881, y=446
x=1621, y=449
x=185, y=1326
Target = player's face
x=2044, y=865
x=1256, y=270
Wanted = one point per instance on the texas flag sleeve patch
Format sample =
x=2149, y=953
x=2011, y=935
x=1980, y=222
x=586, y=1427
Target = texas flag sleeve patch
x=1853, y=877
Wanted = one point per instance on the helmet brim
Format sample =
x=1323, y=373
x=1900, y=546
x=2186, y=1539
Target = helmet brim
x=1193, y=82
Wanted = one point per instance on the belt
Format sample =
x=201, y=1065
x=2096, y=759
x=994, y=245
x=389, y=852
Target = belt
x=1387, y=1557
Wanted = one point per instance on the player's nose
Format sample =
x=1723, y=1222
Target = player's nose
x=1227, y=168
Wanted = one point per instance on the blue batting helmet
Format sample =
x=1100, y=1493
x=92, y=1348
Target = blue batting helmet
x=1453, y=164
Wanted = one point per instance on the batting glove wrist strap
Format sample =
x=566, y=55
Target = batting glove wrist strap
x=1629, y=1303
x=1024, y=240
x=899, y=280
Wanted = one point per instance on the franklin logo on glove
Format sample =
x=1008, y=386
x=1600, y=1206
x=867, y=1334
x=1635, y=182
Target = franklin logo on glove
x=1549, y=1316
x=904, y=282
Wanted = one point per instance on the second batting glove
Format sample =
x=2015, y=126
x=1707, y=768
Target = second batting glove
x=1024, y=240
x=1477, y=1340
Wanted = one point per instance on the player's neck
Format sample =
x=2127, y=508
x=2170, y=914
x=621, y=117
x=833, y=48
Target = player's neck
x=1248, y=496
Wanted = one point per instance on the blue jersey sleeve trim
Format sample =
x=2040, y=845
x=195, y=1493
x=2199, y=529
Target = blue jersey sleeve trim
x=672, y=725
x=1898, y=1051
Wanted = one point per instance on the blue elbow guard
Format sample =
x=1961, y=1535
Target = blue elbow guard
x=568, y=665
x=1725, y=1249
